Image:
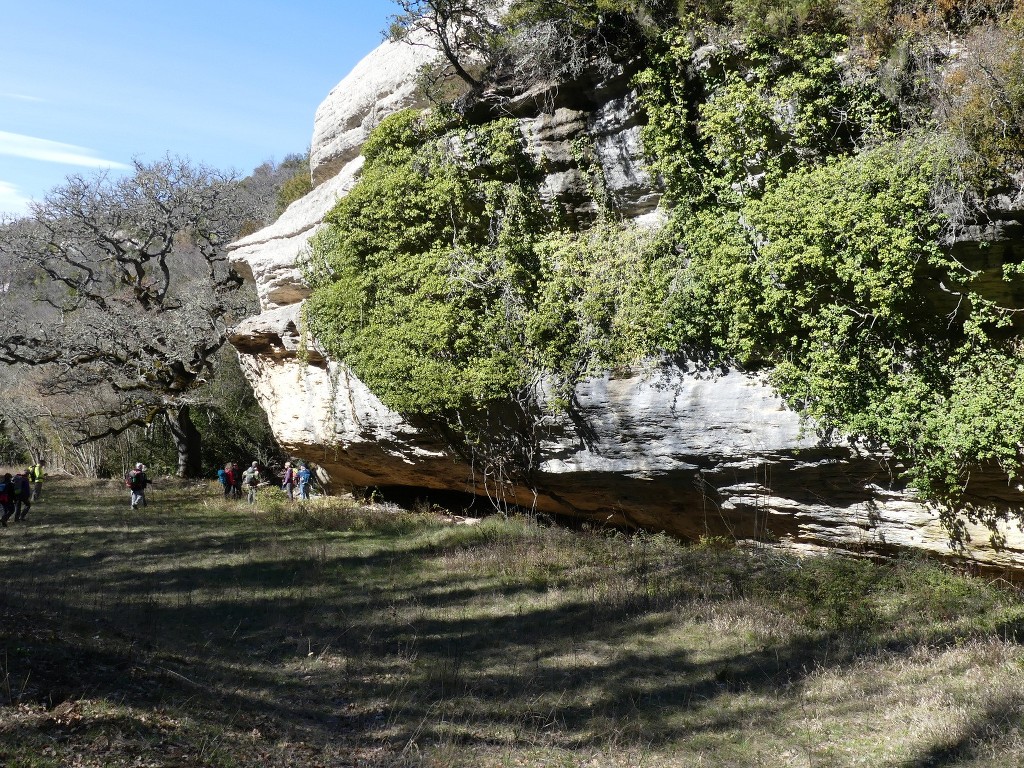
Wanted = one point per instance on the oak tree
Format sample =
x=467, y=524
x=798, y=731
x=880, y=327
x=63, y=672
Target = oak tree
x=122, y=290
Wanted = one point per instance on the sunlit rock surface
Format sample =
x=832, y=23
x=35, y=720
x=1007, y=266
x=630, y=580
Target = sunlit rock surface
x=381, y=84
x=694, y=453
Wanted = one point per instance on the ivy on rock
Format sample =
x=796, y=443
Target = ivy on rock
x=803, y=239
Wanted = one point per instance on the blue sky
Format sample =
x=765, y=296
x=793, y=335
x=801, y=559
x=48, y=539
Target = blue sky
x=91, y=85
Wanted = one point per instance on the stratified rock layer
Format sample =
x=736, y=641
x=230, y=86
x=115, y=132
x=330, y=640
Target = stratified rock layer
x=692, y=453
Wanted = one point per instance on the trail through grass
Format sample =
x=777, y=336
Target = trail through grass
x=202, y=632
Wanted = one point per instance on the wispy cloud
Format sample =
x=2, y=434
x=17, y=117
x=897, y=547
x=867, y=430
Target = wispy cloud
x=11, y=200
x=32, y=148
x=19, y=97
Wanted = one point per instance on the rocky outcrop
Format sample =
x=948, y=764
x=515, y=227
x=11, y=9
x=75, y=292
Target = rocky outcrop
x=587, y=140
x=380, y=85
x=691, y=453
x=694, y=453
x=383, y=83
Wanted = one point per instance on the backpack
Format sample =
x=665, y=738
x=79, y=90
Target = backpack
x=134, y=480
x=4, y=498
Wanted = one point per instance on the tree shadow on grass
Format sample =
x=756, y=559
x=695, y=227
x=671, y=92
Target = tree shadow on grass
x=1003, y=715
x=409, y=674
x=385, y=648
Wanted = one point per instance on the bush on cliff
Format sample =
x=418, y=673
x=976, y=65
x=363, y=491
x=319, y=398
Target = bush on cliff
x=421, y=277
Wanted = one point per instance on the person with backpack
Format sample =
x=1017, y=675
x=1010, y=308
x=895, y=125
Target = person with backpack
x=288, y=481
x=231, y=479
x=36, y=477
x=6, y=498
x=251, y=481
x=224, y=480
x=305, y=477
x=236, y=481
x=22, y=495
x=137, y=481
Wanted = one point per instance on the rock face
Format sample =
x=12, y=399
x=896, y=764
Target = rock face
x=380, y=85
x=692, y=453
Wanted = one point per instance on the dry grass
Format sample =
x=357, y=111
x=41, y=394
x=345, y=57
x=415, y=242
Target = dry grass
x=202, y=632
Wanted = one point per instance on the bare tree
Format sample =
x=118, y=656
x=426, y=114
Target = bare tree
x=464, y=31
x=504, y=48
x=123, y=290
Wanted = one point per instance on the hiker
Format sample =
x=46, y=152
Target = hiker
x=222, y=478
x=236, y=477
x=22, y=494
x=251, y=481
x=137, y=482
x=36, y=476
x=305, y=477
x=228, y=479
x=288, y=480
x=6, y=498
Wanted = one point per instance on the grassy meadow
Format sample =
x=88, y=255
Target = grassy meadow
x=203, y=632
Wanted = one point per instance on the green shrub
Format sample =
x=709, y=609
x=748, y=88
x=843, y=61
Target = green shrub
x=298, y=185
x=863, y=338
x=428, y=313
x=601, y=299
x=755, y=109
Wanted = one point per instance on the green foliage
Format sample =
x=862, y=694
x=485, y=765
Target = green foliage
x=751, y=113
x=429, y=313
x=601, y=300
x=975, y=419
x=476, y=293
x=783, y=18
x=668, y=97
x=864, y=339
x=803, y=238
x=296, y=186
x=811, y=246
x=712, y=309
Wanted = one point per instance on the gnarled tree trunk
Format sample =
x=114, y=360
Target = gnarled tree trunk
x=187, y=441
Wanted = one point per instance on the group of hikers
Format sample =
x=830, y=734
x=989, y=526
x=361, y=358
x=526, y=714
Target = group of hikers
x=292, y=479
x=233, y=480
x=17, y=492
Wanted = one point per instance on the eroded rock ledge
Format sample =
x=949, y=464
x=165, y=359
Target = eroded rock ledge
x=691, y=453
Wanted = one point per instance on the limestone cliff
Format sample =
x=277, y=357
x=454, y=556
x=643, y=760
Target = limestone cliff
x=691, y=452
